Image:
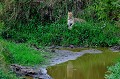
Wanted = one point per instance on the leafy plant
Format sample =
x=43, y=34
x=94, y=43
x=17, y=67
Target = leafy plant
x=113, y=72
x=104, y=10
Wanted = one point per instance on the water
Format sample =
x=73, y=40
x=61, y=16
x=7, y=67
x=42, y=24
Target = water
x=88, y=66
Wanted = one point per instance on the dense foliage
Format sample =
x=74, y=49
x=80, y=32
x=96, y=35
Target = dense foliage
x=44, y=22
x=108, y=10
x=113, y=72
x=82, y=34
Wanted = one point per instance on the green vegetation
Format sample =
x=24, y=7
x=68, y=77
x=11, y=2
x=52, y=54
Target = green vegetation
x=4, y=69
x=4, y=75
x=41, y=24
x=102, y=10
x=82, y=34
x=25, y=23
x=21, y=54
x=113, y=72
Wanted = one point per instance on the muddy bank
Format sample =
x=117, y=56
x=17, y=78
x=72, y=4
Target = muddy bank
x=55, y=56
x=61, y=56
x=25, y=71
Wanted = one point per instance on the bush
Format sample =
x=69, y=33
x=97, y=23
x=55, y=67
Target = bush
x=113, y=72
x=107, y=10
x=82, y=34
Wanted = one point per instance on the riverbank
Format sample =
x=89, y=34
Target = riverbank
x=54, y=55
x=61, y=56
x=58, y=56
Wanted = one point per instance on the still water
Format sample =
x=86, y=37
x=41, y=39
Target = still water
x=88, y=66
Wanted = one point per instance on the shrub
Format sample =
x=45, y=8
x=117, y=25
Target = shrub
x=113, y=72
x=82, y=34
x=103, y=10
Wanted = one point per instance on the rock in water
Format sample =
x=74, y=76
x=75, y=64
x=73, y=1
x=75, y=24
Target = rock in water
x=115, y=48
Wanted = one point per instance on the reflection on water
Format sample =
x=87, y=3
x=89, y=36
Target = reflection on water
x=89, y=66
x=69, y=70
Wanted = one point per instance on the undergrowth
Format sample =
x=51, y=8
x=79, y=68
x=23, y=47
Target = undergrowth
x=8, y=75
x=4, y=69
x=113, y=72
x=82, y=34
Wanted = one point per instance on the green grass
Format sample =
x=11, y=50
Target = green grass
x=4, y=69
x=7, y=75
x=12, y=53
x=21, y=54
